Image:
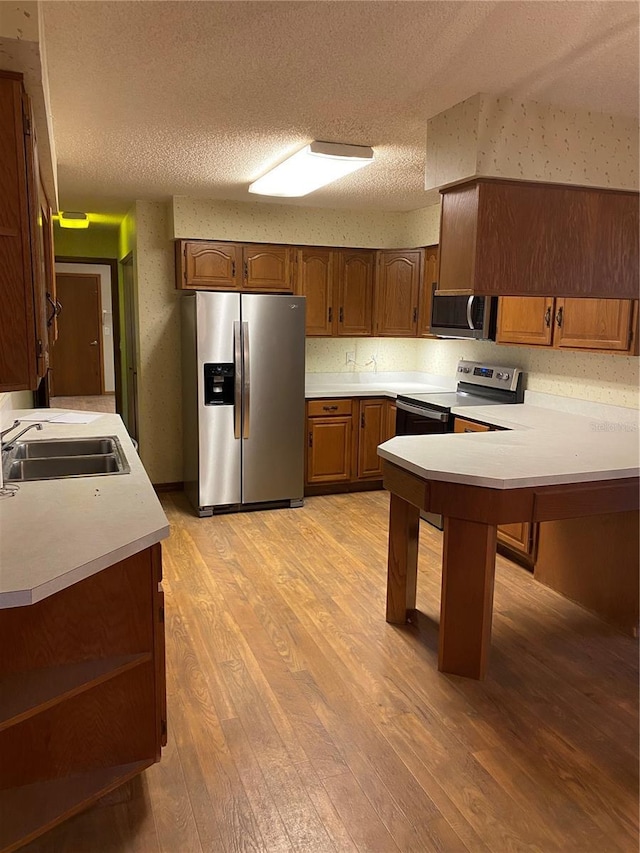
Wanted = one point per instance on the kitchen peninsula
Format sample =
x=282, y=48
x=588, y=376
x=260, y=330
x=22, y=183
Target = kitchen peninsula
x=82, y=670
x=542, y=465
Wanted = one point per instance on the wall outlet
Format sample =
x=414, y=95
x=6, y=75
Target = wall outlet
x=351, y=358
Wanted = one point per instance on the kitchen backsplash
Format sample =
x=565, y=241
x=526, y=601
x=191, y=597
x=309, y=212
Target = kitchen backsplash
x=607, y=379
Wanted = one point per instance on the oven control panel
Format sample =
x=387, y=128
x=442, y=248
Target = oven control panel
x=489, y=375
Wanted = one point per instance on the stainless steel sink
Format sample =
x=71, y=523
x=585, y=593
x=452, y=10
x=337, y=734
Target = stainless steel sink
x=61, y=458
x=64, y=447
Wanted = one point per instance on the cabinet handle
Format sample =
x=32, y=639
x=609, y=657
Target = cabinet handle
x=246, y=270
x=547, y=316
x=329, y=408
x=233, y=269
x=415, y=315
x=310, y=439
x=58, y=307
x=54, y=311
x=330, y=314
x=559, y=317
x=362, y=421
x=341, y=317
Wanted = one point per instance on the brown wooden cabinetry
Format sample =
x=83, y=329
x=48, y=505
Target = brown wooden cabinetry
x=338, y=285
x=427, y=282
x=398, y=277
x=372, y=432
x=343, y=435
x=355, y=292
x=211, y=265
x=82, y=695
x=533, y=239
x=391, y=420
x=463, y=425
x=26, y=273
x=607, y=325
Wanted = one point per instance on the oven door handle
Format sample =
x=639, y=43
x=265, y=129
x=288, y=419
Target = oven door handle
x=430, y=414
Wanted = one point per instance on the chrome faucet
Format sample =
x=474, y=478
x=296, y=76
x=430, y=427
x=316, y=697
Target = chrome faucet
x=3, y=446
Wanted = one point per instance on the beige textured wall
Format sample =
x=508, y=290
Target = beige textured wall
x=511, y=138
x=610, y=379
x=16, y=400
x=159, y=379
x=208, y=219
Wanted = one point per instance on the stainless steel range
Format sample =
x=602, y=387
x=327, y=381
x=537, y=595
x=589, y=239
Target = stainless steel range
x=479, y=385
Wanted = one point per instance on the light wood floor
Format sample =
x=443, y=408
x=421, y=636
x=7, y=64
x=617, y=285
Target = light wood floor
x=300, y=720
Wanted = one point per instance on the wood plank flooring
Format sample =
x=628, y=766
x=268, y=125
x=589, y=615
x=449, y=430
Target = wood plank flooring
x=299, y=720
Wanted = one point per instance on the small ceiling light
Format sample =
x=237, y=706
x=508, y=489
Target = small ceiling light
x=74, y=220
x=314, y=166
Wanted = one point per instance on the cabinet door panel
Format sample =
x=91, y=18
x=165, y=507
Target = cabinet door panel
x=463, y=425
x=593, y=323
x=397, y=285
x=391, y=420
x=373, y=423
x=329, y=449
x=355, y=293
x=429, y=278
x=518, y=536
x=267, y=268
x=211, y=265
x=525, y=320
x=314, y=280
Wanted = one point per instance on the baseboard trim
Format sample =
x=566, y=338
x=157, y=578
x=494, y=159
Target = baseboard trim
x=341, y=488
x=168, y=487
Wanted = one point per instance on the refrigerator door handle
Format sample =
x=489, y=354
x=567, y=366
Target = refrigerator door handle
x=237, y=385
x=246, y=384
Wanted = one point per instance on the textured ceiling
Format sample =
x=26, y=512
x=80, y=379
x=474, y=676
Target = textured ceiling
x=153, y=99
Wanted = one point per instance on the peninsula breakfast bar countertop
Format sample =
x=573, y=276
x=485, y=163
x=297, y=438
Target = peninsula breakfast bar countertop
x=551, y=465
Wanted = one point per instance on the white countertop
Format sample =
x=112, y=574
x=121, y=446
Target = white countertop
x=54, y=533
x=542, y=446
x=373, y=384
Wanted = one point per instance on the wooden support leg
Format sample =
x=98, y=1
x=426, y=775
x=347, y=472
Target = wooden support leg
x=468, y=570
x=404, y=524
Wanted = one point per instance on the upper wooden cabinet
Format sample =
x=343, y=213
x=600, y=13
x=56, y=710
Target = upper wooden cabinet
x=314, y=280
x=519, y=238
x=429, y=279
x=210, y=265
x=338, y=285
x=25, y=263
x=355, y=291
x=398, y=276
x=589, y=324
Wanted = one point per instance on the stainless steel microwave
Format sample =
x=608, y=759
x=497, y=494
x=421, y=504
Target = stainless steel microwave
x=463, y=316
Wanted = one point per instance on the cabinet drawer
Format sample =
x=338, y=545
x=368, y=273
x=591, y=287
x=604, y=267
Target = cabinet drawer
x=463, y=425
x=317, y=408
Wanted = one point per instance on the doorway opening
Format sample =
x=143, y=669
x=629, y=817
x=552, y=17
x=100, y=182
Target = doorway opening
x=85, y=363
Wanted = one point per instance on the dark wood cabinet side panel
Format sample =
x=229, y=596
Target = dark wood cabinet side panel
x=545, y=239
x=107, y=614
x=18, y=367
x=458, y=235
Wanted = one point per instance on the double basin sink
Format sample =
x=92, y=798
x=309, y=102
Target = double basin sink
x=66, y=457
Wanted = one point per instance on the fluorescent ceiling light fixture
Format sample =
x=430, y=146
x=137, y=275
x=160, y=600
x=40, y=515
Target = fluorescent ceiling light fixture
x=314, y=166
x=73, y=220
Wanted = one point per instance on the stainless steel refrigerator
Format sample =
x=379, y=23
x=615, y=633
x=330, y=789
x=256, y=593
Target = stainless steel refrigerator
x=243, y=400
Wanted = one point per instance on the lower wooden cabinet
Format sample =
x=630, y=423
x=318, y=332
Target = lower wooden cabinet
x=604, y=325
x=82, y=695
x=342, y=442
